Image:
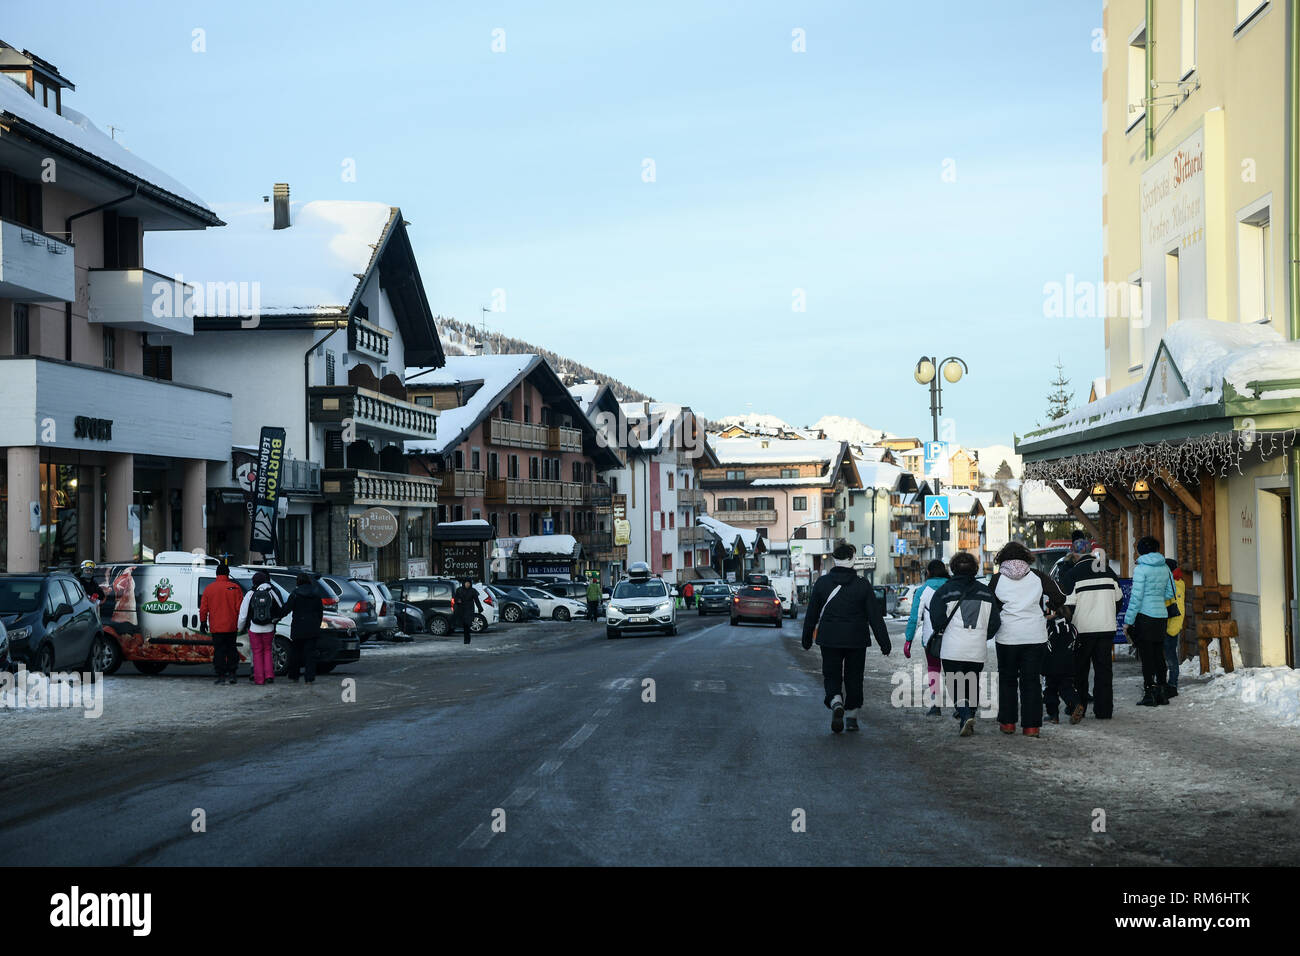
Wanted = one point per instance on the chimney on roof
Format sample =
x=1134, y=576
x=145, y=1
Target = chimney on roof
x=281, y=196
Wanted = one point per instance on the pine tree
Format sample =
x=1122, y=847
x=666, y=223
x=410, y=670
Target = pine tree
x=1059, y=401
x=1003, y=472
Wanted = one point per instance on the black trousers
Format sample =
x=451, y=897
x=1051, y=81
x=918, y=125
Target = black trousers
x=593, y=610
x=842, y=669
x=961, y=682
x=302, y=656
x=466, y=623
x=1149, y=638
x=1020, y=676
x=1058, y=689
x=225, y=659
x=1094, y=652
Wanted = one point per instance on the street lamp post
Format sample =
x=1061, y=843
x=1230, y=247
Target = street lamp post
x=928, y=372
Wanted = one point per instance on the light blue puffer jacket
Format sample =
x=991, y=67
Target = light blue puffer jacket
x=1153, y=588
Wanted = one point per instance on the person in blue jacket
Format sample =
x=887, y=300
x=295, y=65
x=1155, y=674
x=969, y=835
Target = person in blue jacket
x=936, y=577
x=1146, y=618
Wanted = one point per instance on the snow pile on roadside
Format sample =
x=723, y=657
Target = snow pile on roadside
x=1270, y=692
x=1191, y=668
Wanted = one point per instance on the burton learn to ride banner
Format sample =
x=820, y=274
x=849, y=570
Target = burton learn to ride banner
x=270, y=458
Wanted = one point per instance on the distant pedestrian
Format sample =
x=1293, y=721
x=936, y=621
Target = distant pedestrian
x=688, y=592
x=467, y=605
x=920, y=621
x=593, y=598
x=1093, y=602
x=1174, y=630
x=1074, y=562
x=259, y=612
x=219, y=610
x=1026, y=599
x=308, y=611
x=842, y=615
x=1146, y=619
x=965, y=615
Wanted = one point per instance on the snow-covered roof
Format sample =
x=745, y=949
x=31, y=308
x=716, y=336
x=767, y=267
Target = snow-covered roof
x=738, y=451
x=310, y=267
x=729, y=533
x=77, y=130
x=879, y=474
x=792, y=482
x=1207, y=353
x=498, y=373
x=467, y=521
x=664, y=414
x=962, y=502
x=1038, y=501
x=584, y=393
x=545, y=544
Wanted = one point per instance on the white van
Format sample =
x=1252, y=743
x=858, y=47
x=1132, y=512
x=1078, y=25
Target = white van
x=150, y=617
x=785, y=590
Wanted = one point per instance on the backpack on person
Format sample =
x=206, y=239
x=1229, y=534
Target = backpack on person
x=261, y=609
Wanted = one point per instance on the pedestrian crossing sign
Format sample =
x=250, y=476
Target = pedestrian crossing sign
x=936, y=507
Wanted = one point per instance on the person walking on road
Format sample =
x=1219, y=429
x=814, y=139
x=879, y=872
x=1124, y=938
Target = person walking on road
x=1174, y=630
x=964, y=614
x=304, y=630
x=919, y=620
x=1146, y=619
x=1026, y=599
x=688, y=592
x=467, y=605
x=1093, y=602
x=219, y=609
x=593, y=598
x=259, y=612
x=842, y=615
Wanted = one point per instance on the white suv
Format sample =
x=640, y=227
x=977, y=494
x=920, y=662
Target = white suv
x=640, y=603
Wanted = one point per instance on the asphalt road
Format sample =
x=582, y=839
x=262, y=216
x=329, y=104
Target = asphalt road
x=553, y=755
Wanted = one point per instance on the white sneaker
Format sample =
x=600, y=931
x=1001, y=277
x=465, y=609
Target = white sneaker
x=837, y=714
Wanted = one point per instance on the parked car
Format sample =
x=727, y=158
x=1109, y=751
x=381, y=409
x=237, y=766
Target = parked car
x=905, y=595
x=713, y=599
x=577, y=591
x=432, y=596
x=354, y=602
x=553, y=606
x=489, y=602
x=384, y=610
x=756, y=602
x=410, y=619
x=50, y=623
x=150, y=617
x=640, y=603
x=887, y=595
x=6, y=661
x=514, y=605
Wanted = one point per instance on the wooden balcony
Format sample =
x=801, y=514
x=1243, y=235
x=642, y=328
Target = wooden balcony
x=356, y=487
x=520, y=491
x=563, y=438
x=598, y=496
x=748, y=516
x=336, y=404
x=690, y=498
x=694, y=535
x=463, y=484
x=368, y=338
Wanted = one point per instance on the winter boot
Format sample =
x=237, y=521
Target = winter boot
x=1148, y=698
x=934, y=712
x=1007, y=728
x=1162, y=696
x=837, y=715
x=1031, y=732
x=1171, y=691
x=1077, y=715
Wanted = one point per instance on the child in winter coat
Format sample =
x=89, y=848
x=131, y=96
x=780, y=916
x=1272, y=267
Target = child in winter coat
x=965, y=615
x=1058, y=671
x=919, y=619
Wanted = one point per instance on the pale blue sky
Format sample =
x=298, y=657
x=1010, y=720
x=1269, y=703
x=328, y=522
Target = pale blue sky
x=776, y=171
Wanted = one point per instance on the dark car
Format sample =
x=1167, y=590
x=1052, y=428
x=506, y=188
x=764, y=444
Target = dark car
x=756, y=602
x=52, y=624
x=515, y=605
x=355, y=602
x=713, y=599
x=432, y=597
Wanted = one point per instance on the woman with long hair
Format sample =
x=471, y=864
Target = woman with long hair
x=1026, y=599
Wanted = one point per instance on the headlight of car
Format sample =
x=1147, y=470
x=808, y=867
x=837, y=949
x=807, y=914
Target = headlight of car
x=614, y=611
x=664, y=608
x=20, y=633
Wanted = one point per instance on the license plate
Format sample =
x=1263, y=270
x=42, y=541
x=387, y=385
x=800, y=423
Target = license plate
x=639, y=618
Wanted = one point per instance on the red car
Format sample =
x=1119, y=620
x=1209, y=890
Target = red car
x=755, y=602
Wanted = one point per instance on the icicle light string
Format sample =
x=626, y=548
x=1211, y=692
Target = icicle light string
x=1217, y=454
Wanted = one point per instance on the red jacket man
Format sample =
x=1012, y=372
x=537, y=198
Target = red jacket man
x=219, y=613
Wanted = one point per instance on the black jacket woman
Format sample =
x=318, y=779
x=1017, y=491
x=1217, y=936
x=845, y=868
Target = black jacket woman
x=467, y=605
x=304, y=630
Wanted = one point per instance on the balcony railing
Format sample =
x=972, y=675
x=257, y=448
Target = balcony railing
x=463, y=484
x=506, y=431
x=352, y=486
x=597, y=495
x=694, y=535
x=368, y=338
x=746, y=517
x=35, y=267
x=563, y=438
x=141, y=300
x=300, y=476
x=521, y=491
x=690, y=498
x=335, y=404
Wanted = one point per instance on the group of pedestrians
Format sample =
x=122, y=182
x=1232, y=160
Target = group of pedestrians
x=226, y=611
x=1051, y=634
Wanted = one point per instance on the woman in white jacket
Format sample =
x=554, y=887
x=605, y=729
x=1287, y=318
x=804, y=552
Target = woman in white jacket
x=965, y=615
x=1026, y=599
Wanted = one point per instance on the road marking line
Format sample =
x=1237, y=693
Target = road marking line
x=621, y=683
x=789, y=690
x=710, y=686
x=520, y=796
x=576, y=741
x=478, y=838
x=548, y=768
x=602, y=712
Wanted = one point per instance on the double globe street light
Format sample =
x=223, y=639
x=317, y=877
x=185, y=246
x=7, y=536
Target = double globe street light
x=927, y=373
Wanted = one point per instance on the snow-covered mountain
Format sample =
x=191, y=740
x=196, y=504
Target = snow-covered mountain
x=839, y=428
x=753, y=420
